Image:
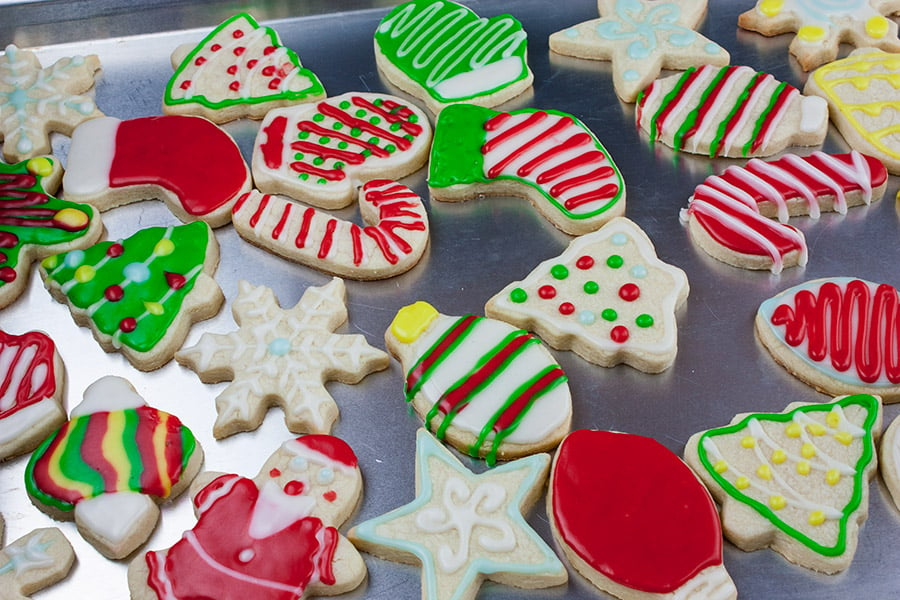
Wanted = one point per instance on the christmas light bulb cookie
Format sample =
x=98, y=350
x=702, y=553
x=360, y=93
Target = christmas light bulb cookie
x=796, y=481
x=33, y=562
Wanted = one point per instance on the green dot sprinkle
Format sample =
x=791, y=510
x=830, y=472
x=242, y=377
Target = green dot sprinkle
x=360, y=113
x=375, y=120
x=609, y=314
x=615, y=261
x=318, y=117
x=304, y=176
x=356, y=132
x=322, y=181
x=395, y=126
x=559, y=272
x=374, y=141
x=644, y=321
x=343, y=145
x=298, y=156
x=390, y=148
x=378, y=102
x=367, y=153
x=591, y=287
x=337, y=125
x=339, y=166
x=345, y=104
x=413, y=119
x=318, y=161
x=324, y=140
x=518, y=295
x=303, y=135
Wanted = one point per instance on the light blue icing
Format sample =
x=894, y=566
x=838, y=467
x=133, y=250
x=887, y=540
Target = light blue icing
x=712, y=48
x=279, y=346
x=137, y=272
x=298, y=463
x=587, y=317
x=645, y=30
x=619, y=239
x=638, y=271
x=74, y=258
x=631, y=75
x=325, y=475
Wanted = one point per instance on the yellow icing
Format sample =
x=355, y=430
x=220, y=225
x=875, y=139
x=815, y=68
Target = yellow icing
x=40, y=166
x=777, y=502
x=793, y=430
x=411, y=321
x=833, y=476
x=770, y=8
x=112, y=449
x=154, y=308
x=164, y=247
x=844, y=437
x=71, y=217
x=764, y=472
x=56, y=473
x=748, y=442
x=779, y=456
x=159, y=445
x=84, y=273
x=50, y=262
x=811, y=34
x=803, y=467
x=877, y=27
x=833, y=420
x=721, y=466
x=808, y=450
x=816, y=429
x=742, y=483
x=816, y=517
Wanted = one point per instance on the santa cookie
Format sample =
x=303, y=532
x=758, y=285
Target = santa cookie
x=272, y=537
x=33, y=562
x=796, y=481
x=110, y=464
x=32, y=389
x=188, y=162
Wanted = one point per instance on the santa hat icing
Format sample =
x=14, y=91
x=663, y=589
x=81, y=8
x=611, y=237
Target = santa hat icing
x=323, y=450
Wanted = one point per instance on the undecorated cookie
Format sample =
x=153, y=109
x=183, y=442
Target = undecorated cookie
x=33, y=562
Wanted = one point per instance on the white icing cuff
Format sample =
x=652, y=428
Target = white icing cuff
x=488, y=77
x=90, y=158
x=813, y=113
x=108, y=394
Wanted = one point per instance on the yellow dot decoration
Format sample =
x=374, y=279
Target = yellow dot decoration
x=154, y=308
x=742, y=483
x=770, y=8
x=811, y=33
x=803, y=467
x=816, y=517
x=779, y=456
x=844, y=437
x=833, y=476
x=793, y=430
x=412, y=321
x=51, y=262
x=748, y=441
x=72, y=218
x=721, y=466
x=808, y=450
x=833, y=419
x=777, y=502
x=85, y=273
x=877, y=27
x=164, y=247
x=816, y=429
x=41, y=166
x=764, y=472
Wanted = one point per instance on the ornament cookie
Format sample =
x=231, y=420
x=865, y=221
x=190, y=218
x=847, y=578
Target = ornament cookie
x=835, y=334
x=549, y=157
x=272, y=537
x=321, y=153
x=822, y=25
x=442, y=53
x=240, y=69
x=32, y=390
x=729, y=215
x=392, y=242
x=796, y=481
x=863, y=94
x=140, y=295
x=608, y=298
x=640, y=38
x=464, y=528
x=730, y=111
x=34, y=224
x=33, y=562
x=489, y=390
x=625, y=543
x=188, y=162
x=282, y=357
x=110, y=464
x=35, y=101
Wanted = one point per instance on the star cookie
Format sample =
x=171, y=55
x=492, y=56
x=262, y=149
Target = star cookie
x=641, y=37
x=607, y=297
x=464, y=528
x=282, y=356
x=34, y=562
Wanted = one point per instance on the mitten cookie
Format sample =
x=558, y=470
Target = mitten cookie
x=272, y=537
x=489, y=390
x=110, y=464
x=33, y=562
x=442, y=53
x=796, y=481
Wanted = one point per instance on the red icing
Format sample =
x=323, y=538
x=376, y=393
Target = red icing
x=26, y=389
x=334, y=448
x=629, y=292
x=128, y=324
x=114, y=293
x=584, y=262
x=619, y=334
x=175, y=281
x=7, y=274
x=215, y=47
x=633, y=511
x=294, y=488
x=330, y=496
x=115, y=250
x=566, y=308
x=547, y=292
x=274, y=473
x=274, y=134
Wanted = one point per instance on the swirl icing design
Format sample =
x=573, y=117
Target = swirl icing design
x=27, y=372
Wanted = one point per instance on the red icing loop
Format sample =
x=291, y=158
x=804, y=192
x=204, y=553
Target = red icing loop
x=29, y=354
x=584, y=262
x=566, y=308
x=547, y=292
x=619, y=334
x=629, y=292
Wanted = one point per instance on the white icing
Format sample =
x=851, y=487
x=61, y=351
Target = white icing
x=13, y=375
x=114, y=516
x=712, y=583
x=108, y=394
x=713, y=118
x=27, y=554
x=813, y=113
x=482, y=79
x=775, y=172
x=275, y=510
x=765, y=88
x=19, y=422
x=90, y=158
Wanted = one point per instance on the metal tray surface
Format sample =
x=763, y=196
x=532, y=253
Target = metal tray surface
x=476, y=248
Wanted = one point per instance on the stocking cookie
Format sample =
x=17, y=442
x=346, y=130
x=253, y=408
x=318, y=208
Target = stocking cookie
x=624, y=543
x=480, y=61
x=110, y=464
x=549, y=157
x=282, y=356
x=642, y=37
x=464, y=528
x=190, y=163
x=32, y=389
x=796, y=481
x=730, y=111
x=321, y=153
x=33, y=224
x=607, y=297
x=240, y=69
x=35, y=101
x=141, y=294
x=33, y=562
x=268, y=538
x=489, y=390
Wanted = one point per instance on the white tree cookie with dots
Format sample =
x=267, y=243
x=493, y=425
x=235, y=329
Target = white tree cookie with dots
x=33, y=562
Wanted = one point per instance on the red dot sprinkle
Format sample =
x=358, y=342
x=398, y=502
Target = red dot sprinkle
x=293, y=488
x=7, y=274
x=330, y=495
x=584, y=263
x=274, y=83
x=629, y=292
x=566, y=308
x=114, y=293
x=175, y=280
x=547, y=292
x=274, y=473
x=215, y=47
x=269, y=50
x=115, y=250
x=185, y=84
x=239, y=50
x=232, y=69
x=268, y=71
x=238, y=34
x=251, y=63
x=234, y=86
x=199, y=60
x=128, y=324
x=619, y=334
x=8, y=240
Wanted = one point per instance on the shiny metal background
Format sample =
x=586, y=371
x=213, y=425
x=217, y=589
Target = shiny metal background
x=476, y=249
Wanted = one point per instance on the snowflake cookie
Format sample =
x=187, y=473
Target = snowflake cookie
x=642, y=37
x=607, y=297
x=33, y=562
x=282, y=356
x=35, y=101
x=464, y=528
x=796, y=481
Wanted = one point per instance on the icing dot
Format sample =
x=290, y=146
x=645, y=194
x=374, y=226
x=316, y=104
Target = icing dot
x=40, y=166
x=803, y=467
x=844, y=437
x=231, y=71
x=833, y=420
x=518, y=296
x=238, y=34
x=330, y=496
x=609, y=314
x=294, y=488
x=154, y=308
x=547, y=292
x=49, y=263
x=559, y=272
x=877, y=27
x=252, y=63
x=279, y=346
x=74, y=258
x=246, y=555
x=591, y=287
x=721, y=466
x=748, y=441
x=7, y=274
x=274, y=473
x=113, y=293
x=298, y=463
x=586, y=317
x=832, y=476
x=808, y=450
x=742, y=482
x=239, y=50
x=615, y=261
x=234, y=86
x=816, y=517
x=215, y=47
x=779, y=456
x=711, y=48
x=619, y=334
x=175, y=281
x=268, y=71
x=137, y=272
x=631, y=75
x=644, y=321
x=793, y=430
x=566, y=308
x=764, y=472
x=571, y=33
x=638, y=271
x=200, y=60
x=85, y=273
x=629, y=292
x=71, y=218
x=269, y=50
x=345, y=104
x=325, y=475
x=777, y=502
x=811, y=33
x=816, y=429
x=619, y=239
x=9, y=240
x=584, y=262
x=770, y=8
x=128, y=324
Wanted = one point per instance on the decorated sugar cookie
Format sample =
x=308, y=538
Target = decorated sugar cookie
x=549, y=157
x=34, y=224
x=642, y=37
x=607, y=297
x=835, y=334
x=110, y=464
x=863, y=94
x=729, y=214
x=392, y=242
x=272, y=537
x=822, y=25
x=796, y=481
x=188, y=162
x=730, y=111
x=442, y=53
x=35, y=101
x=321, y=153
x=139, y=295
x=32, y=390
x=240, y=69
x=284, y=357
x=486, y=388
x=889, y=460
x=657, y=536
x=465, y=528
x=33, y=562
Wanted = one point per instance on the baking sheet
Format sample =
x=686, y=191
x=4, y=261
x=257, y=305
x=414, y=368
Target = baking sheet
x=476, y=248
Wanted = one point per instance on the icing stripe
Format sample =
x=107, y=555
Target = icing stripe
x=432, y=358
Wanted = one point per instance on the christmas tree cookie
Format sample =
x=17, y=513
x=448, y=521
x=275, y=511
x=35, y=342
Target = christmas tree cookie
x=33, y=562
x=796, y=481
x=549, y=157
x=240, y=69
x=141, y=294
x=607, y=297
x=33, y=224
